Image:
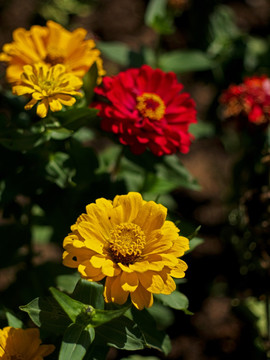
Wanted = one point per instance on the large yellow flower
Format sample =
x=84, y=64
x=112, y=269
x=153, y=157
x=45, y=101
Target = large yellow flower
x=51, y=45
x=51, y=87
x=129, y=242
x=22, y=344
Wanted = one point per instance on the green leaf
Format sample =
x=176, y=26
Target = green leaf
x=60, y=170
x=72, y=308
x=121, y=333
x=75, y=118
x=47, y=314
x=41, y=234
x=155, y=8
x=115, y=51
x=76, y=340
x=67, y=282
x=13, y=320
x=163, y=315
x=174, y=171
x=184, y=61
x=89, y=293
x=196, y=241
x=59, y=134
x=158, y=18
x=22, y=140
x=154, y=338
x=90, y=82
x=175, y=300
x=104, y=316
x=202, y=129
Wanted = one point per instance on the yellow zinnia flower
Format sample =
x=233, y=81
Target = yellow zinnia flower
x=51, y=45
x=50, y=86
x=128, y=242
x=22, y=344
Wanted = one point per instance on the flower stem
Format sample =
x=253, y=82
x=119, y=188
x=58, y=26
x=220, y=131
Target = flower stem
x=116, y=166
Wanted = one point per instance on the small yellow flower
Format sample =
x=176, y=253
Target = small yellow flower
x=51, y=45
x=128, y=242
x=22, y=344
x=51, y=87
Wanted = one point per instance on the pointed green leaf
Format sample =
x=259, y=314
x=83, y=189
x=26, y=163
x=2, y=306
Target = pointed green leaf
x=71, y=307
x=121, y=333
x=75, y=118
x=175, y=300
x=115, y=51
x=194, y=242
x=13, y=320
x=89, y=293
x=185, y=60
x=47, y=314
x=90, y=82
x=154, y=338
x=24, y=140
x=104, y=316
x=59, y=134
x=76, y=340
x=59, y=169
x=67, y=282
x=163, y=315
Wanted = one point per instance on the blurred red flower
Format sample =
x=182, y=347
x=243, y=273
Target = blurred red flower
x=145, y=108
x=250, y=99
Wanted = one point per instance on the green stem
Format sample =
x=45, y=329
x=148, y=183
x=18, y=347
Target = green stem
x=116, y=166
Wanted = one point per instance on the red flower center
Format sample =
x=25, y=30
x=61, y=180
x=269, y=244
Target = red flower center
x=151, y=106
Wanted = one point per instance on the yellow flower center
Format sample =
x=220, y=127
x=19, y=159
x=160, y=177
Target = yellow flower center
x=126, y=243
x=151, y=106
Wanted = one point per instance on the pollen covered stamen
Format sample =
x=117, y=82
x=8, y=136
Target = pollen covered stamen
x=151, y=106
x=126, y=243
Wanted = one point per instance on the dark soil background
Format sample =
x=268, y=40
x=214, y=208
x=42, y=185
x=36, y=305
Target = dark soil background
x=219, y=328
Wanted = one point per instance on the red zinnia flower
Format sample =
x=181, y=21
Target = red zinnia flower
x=251, y=99
x=146, y=110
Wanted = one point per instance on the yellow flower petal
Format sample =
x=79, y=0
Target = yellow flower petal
x=141, y=298
x=92, y=240
x=88, y=271
x=169, y=284
x=30, y=104
x=118, y=295
x=22, y=90
x=54, y=104
x=151, y=216
x=131, y=203
x=66, y=100
x=107, y=289
x=152, y=282
x=125, y=267
x=179, y=270
x=42, y=108
x=129, y=281
x=109, y=268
